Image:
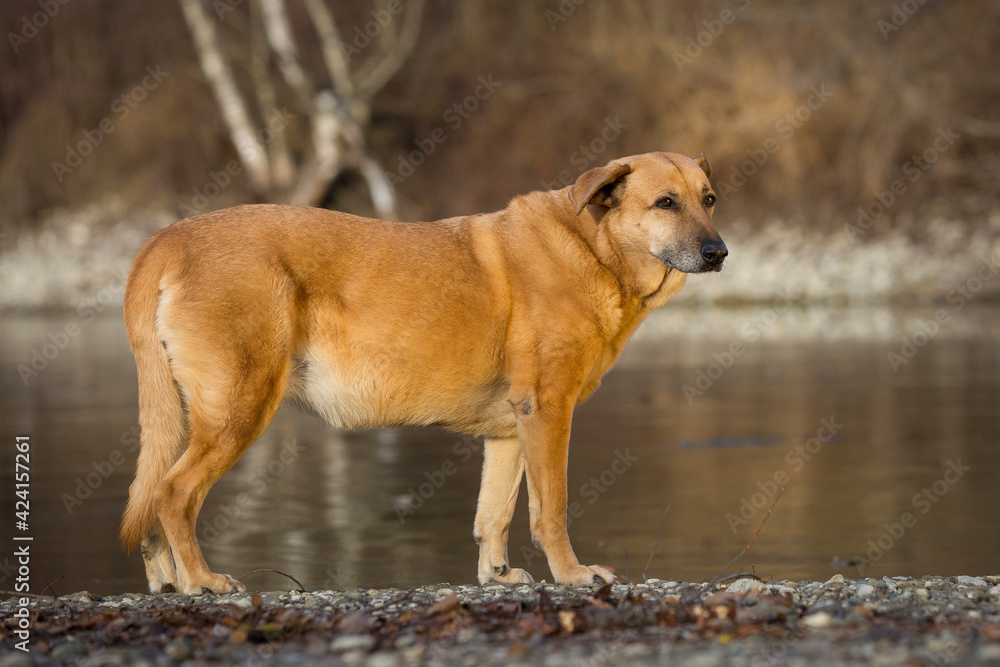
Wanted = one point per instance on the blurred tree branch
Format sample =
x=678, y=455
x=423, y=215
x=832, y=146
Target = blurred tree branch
x=338, y=111
x=227, y=95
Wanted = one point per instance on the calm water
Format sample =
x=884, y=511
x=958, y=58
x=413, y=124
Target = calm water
x=906, y=458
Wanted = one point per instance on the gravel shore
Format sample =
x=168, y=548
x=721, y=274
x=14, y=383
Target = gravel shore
x=745, y=621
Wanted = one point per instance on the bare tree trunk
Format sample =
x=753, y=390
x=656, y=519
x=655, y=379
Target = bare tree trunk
x=282, y=169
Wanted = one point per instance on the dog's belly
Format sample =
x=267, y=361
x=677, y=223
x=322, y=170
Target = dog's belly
x=375, y=391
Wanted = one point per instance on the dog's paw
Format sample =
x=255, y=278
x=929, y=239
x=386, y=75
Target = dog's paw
x=586, y=575
x=511, y=575
x=157, y=588
x=216, y=583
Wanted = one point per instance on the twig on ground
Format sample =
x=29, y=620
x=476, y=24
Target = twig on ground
x=267, y=569
x=49, y=585
x=657, y=543
x=753, y=539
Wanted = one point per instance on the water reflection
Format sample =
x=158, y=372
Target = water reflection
x=857, y=445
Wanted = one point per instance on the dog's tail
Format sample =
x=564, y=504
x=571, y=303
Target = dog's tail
x=161, y=413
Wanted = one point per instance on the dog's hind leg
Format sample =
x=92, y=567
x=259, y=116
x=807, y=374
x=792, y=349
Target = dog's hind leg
x=218, y=439
x=503, y=467
x=160, y=571
x=232, y=388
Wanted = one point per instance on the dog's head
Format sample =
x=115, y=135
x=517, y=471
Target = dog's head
x=656, y=203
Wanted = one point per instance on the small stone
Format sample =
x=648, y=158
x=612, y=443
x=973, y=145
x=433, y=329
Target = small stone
x=243, y=602
x=466, y=635
x=995, y=590
x=82, y=596
x=69, y=650
x=413, y=654
x=818, y=620
x=966, y=580
x=865, y=590
x=827, y=606
x=652, y=582
x=382, y=659
x=835, y=579
x=746, y=585
x=352, y=643
x=619, y=589
x=178, y=650
x=989, y=652
x=16, y=659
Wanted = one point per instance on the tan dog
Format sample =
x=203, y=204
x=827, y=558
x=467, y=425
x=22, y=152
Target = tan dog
x=496, y=324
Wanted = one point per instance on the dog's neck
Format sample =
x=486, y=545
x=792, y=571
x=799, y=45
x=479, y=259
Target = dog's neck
x=640, y=275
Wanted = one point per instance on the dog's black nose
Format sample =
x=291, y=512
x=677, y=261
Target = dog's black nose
x=714, y=252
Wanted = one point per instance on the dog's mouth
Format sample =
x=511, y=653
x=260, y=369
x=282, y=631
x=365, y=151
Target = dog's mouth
x=710, y=259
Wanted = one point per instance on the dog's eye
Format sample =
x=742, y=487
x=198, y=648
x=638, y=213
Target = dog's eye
x=710, y=200
x=666, y=202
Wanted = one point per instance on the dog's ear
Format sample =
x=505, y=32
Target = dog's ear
x=595, y=186
x=703, y=163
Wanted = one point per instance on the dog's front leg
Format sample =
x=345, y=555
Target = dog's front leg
x=503, y=467
x=544, y=434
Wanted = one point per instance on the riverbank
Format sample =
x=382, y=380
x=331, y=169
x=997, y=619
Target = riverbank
x=927, y=621
x=73, y=258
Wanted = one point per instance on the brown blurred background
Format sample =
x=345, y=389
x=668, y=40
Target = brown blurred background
x=564, y=71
